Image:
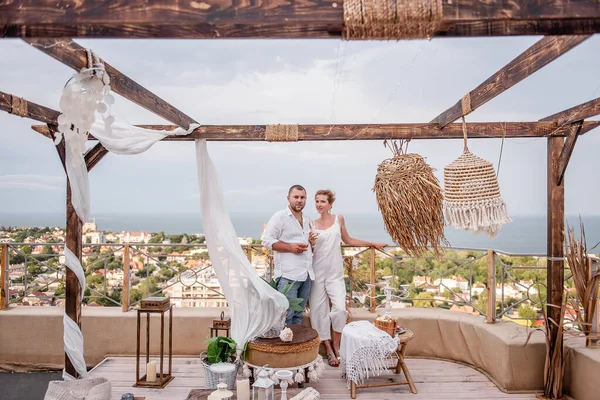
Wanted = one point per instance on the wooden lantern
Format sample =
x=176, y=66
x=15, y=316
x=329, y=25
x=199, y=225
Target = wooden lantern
x=154, y=378
x=222, y=324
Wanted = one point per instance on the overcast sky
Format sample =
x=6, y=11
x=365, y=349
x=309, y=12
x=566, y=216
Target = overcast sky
x=297, y=81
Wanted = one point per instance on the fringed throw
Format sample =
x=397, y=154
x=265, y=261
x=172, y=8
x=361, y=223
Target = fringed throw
x=472, y=196
x=410, y=200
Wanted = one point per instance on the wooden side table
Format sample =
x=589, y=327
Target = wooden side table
x=215, y=331
x=400, y=366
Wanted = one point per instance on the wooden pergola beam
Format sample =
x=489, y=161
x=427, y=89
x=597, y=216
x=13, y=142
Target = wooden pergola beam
x=531, y=60
x=34, y=111
x=476, y=130
x=75, y=56
x=567, y=150
x=585, y=110
x=94, y=155
x=291, y=19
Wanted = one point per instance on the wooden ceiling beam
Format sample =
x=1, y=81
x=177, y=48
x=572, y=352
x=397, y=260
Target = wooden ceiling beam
x=31, y=110
x=278, y=19
x=585, y=110
x=531, y=60
x=373, y=131
x=75, y=56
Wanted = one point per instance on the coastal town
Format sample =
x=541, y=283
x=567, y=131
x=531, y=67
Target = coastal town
x=178, y=266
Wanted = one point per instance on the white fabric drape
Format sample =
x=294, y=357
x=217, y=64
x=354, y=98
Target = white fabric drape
x=256, y=308
x=72, y=336
x=119, y=138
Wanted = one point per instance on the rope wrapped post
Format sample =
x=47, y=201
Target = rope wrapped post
x=410, y=200
x=391, y=19
x=472, y=194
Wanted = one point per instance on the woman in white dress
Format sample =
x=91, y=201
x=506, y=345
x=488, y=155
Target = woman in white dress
x=328, y=264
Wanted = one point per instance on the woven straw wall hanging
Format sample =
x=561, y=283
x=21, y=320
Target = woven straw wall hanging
x=410, y=200
x=472, y=194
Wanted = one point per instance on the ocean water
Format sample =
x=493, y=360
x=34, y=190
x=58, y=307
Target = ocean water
x=526, y=234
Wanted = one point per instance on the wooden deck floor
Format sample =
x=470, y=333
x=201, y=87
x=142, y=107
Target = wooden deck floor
x=434, y=380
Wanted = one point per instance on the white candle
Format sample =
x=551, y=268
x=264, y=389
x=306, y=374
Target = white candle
x=151, y=371
x=243, y=389
x=261, y=394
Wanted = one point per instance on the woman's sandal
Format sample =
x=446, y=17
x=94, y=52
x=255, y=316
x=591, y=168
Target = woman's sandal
x=333, y=360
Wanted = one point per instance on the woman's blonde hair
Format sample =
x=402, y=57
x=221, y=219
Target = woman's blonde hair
x=326, y=192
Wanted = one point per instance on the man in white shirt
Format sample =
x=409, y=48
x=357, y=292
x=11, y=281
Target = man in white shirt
x=287, y=234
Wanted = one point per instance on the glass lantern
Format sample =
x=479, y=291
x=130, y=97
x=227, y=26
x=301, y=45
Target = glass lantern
x=263, y=388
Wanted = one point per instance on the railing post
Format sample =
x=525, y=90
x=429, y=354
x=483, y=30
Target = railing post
x=125, y=292
x=249, y=252
x=592, y=338
x=4, y=277
x=373, y=293
x=491, y=306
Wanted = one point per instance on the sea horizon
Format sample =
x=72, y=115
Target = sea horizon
x=526, y=234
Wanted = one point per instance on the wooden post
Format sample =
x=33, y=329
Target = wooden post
x=592, y=339
x=249, y=252
x=556, y=238
x=491, y=306
x=73, y=291
x=373, y=293
x=4, y=277
x=125, y=292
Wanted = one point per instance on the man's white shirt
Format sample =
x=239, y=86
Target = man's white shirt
x=284, y=227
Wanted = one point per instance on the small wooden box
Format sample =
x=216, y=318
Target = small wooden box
x=155, y=303
x=224, y=323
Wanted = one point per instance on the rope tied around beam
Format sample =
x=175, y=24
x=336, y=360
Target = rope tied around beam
x=281, y=133
x=391, y=19
x=18, y=106
x=465, y=104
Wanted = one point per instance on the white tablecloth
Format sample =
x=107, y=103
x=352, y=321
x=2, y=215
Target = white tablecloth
x=364, y=350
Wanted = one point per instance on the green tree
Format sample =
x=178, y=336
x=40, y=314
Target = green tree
x=427, y=301
x=482, y=301
x=47, y=249
x=527, y=312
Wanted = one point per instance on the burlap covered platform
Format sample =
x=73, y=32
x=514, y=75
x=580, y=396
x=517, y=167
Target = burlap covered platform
x=302, y=350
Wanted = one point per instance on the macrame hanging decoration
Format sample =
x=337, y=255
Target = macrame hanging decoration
x=410, y=200
x=472, y=196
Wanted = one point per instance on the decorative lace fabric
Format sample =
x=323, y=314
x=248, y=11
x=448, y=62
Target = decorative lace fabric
x=364, y=350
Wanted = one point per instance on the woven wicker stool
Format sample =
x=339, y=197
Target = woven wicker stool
x=302, y=353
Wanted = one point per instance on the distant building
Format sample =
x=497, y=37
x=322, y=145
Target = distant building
x=89, y=226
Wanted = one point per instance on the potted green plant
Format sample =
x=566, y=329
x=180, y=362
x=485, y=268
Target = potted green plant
x=220, y=349
x=294, y=302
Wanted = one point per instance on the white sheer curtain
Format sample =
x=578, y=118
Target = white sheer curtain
x=256, y=308
x=119, y=138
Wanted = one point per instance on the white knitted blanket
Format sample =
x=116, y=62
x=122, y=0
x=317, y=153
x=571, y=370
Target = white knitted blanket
x=364, y=350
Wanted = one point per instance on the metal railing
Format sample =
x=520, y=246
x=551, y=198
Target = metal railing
x=495, y=284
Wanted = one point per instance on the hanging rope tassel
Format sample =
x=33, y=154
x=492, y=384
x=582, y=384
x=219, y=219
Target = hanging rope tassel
x=299, y=378
x=246, y=371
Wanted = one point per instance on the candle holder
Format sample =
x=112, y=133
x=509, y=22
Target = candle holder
x=222, y=369
x=157, y=379
x=283, y=375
